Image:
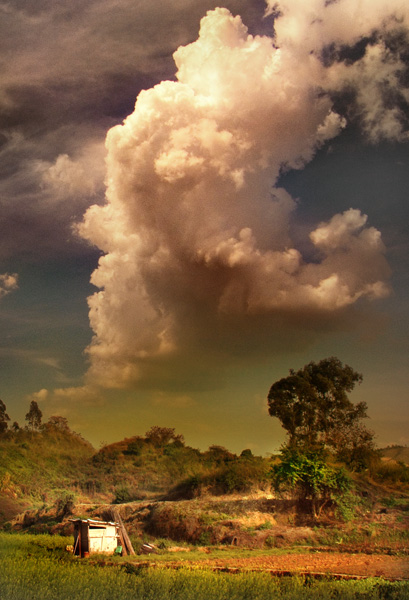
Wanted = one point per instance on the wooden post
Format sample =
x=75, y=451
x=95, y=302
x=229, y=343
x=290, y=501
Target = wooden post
x=128, y=544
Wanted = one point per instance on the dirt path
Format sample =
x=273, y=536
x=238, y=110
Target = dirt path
x=332, y=563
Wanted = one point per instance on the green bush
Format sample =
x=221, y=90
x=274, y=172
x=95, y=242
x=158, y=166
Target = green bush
x=65, y=505
x=122, y=495
x=135, y=447
x=310, y=477
x=205, y=538
x=346, y=505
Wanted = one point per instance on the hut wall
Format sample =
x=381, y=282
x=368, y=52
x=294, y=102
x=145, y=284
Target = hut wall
x=102, y=539
x=84, y=541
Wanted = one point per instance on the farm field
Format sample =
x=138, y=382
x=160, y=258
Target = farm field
x=38, y=567
x=309, y=562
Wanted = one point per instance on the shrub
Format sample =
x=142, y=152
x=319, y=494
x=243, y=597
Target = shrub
x=394, y=472
x=65, y=505
x=265, y=525
x=346, y=506
x=91, y=486
x=236, y=478
x=162, y=436
x=135, y=447
x=122, y=495
x=218, y=455
x=310, y=477
x=247, y=453
x=192, y=486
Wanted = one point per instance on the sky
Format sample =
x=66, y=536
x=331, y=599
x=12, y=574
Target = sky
x=195, y=198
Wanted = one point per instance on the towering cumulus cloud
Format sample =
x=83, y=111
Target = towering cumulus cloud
x=196, y=236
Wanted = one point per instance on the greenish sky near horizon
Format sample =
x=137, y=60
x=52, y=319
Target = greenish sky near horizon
x=196, y=199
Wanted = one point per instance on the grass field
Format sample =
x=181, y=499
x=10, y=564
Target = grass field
x=37, y=567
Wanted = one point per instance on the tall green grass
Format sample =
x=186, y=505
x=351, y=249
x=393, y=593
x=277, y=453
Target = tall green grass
x=38, y=568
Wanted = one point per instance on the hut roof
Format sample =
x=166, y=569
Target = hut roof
x=94, y=522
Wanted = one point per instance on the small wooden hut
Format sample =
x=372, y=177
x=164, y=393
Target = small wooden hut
x=101, y=537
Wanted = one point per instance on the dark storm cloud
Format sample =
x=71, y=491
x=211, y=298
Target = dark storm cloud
x=69, y=72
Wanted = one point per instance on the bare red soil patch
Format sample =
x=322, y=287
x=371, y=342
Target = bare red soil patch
x=331, y=563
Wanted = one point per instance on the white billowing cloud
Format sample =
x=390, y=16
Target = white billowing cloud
x=68, y=178
x=198, y=253
x=40, y=396
x=309, y=29
x=57, y=399
x=319, y=23
x=375, y=78
x=8, y=283
x=71, y=178
x=351, y=265
x=85, y=394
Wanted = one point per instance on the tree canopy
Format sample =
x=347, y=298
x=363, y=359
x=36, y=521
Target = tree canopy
x=34, y=416
x=161, y=436
x=3, y=417
x=313, y=405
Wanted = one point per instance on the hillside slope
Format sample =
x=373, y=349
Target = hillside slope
x=397, y=453
x=54, y=465
x=38, y=466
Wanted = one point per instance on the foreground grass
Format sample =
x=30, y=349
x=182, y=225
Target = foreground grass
x=38, y=568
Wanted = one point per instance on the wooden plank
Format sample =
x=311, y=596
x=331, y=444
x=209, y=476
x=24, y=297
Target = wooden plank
x=125, y=536
x=124, y=550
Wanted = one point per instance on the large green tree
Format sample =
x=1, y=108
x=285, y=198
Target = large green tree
x=314, y=408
